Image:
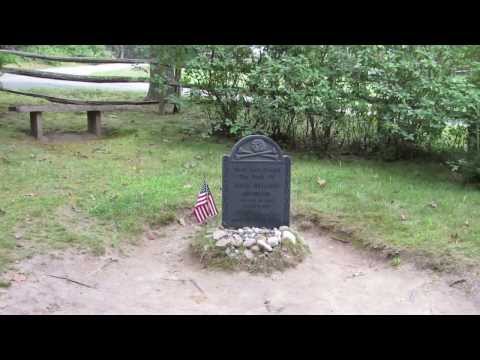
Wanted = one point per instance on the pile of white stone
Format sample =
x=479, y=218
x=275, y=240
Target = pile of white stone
x=252, y=241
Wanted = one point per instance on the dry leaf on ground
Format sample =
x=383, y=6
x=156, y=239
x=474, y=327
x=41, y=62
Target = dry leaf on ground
x=321, y=182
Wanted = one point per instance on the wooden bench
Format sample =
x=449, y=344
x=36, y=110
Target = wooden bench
x=94, y=114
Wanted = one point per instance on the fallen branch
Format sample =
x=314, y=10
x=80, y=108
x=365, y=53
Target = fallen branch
x=183, y=281
x=197, y=286
x=110, y=261
x=457, y=282
x=73, y=281
x=341, y=240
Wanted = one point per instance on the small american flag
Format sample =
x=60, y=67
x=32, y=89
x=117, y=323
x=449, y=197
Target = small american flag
x=205, y=206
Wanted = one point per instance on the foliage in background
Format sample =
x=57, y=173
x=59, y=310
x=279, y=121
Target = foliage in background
x=129, y=51
x=67, y=50
x=167, y=68
x=52, y=50
x=221, y=72
x=396, y=101
x=7, y=59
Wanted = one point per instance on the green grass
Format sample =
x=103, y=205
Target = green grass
x=372, y=197
x=35, y=64
x=99, y=193
x=136, y=72
x=4, y=284
x=39, y=65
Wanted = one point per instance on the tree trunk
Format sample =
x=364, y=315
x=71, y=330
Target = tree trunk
x=313, y=130
x=154, y=88
x=157, y=89
x=178, y=89
x=473, y=140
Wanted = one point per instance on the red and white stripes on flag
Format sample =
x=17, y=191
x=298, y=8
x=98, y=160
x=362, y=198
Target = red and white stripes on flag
x=205, y=206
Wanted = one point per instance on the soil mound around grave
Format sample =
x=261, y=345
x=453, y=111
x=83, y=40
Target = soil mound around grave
x=162, y=277
x=249, y=249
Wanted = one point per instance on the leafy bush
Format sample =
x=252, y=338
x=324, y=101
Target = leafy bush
x=7, y=59
x=468, y=167
x=220, y=73
x=398, y=101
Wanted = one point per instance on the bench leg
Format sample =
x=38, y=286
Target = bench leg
x=94, y=122
x=36, y=124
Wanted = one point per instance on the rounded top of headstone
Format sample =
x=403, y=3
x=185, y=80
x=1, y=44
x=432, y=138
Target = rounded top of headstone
x=256, y=147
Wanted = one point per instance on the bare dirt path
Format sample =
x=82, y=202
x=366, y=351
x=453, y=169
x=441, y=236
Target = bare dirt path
x=161, y=277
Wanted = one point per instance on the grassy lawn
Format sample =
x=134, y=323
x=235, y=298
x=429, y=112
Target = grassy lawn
x=98, y=193
x=29, y=64
x=135, y=72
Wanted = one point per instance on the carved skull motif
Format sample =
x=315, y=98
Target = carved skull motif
x=258, y=145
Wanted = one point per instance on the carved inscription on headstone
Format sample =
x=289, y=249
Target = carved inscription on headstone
x=256, y=184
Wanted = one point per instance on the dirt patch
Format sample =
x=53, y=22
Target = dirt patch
x=67, y=137
x=160, y=276
x=338, y=231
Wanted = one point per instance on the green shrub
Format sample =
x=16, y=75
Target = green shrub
x=369, y=98
x=7, y=59
x=468, y=167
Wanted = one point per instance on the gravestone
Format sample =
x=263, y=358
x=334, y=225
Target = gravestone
x=256, y=184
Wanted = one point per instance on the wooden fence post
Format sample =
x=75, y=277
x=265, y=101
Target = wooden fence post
x=36, y=124
x=94, y=122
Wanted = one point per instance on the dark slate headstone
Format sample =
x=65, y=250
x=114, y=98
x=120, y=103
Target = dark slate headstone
x=256, y=184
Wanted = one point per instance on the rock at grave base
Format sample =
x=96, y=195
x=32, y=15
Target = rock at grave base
x=283, y=228
x=237, y=240
x=273, y=241
x=263, y=244
x=222, y=242
x=277, y=233
x=288, y=236
x=218, y=234
x=248, y=254
x=249, y=242
x=260, y=238
x=255, y=248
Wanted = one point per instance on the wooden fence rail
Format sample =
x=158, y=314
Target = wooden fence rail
x=60, y=100
x=85, y=60
x=69, y=77
x=86, y=78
